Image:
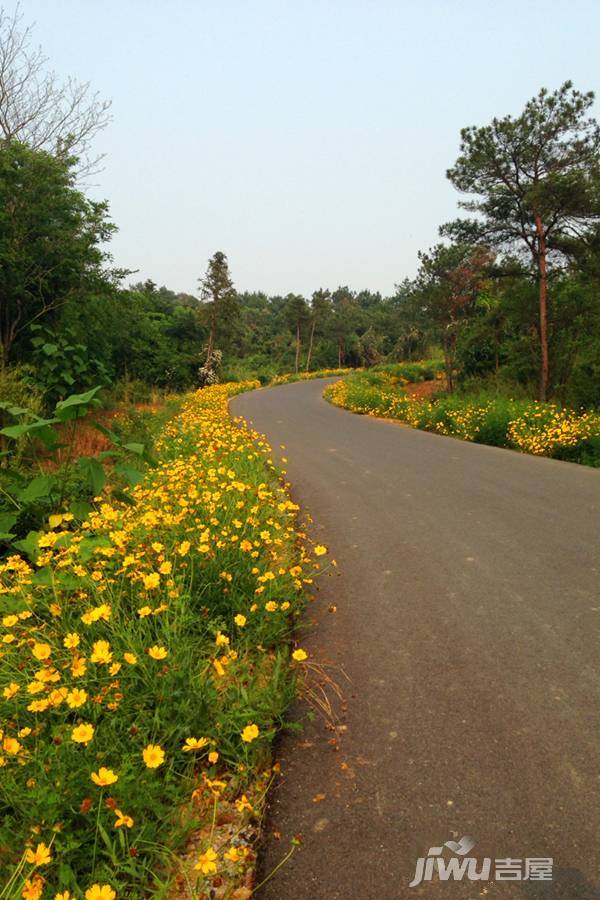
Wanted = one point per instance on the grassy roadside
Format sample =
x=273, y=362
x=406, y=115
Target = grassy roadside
x=291, y=377
x=146, y=665
x=542, y=429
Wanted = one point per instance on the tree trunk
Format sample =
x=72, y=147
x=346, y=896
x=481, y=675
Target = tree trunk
x=211, y=338
x=543, y=276
x=310, y=344
x=7, y=336
x=448, y=366
x=496, y=351
x=340, y=352
x=297, y=346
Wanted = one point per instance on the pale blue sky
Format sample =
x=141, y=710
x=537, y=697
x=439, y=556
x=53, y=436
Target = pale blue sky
x=308, y=140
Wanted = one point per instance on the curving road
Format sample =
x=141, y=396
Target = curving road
x=467, y=623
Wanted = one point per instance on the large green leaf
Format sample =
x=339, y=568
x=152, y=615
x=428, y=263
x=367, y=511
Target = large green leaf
x=88, y=546
x=7, y=520
x=80, y=509
x=94, y=472
x=29, y=545
x=131, y=476
x=18, y=431
x=138, y=449
x=38, y=487
x=75, y=404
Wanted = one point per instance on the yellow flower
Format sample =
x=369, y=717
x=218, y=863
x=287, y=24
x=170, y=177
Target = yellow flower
x=271, y=606
x=207, y=862
x=71, y=640
x=320, y=550
x=10, y=690
x=100, y=892
x=183, y=548
x=250, y=733
x=144, y=611
x=130, y=658
x=64, y=895
x=194, y=744
x=240, y=620
x=9, y=621
x=154, y=756
x=40, y=857
x=76, y=697
x=157, y=652
x=221, y=640
x=213, y=757
x=78, y=668
x=101, y=653
x=104, y=777
x=243, y=803
x=218, y=668
x=234, y=854
x=151, y=581
x=11, y=746
x=82, y=734
x=122, y=819
x=41, y=651
x=33, y=888
x=299, y=655
x=165, y=568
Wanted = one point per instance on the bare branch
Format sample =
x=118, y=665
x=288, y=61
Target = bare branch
x=38, y=109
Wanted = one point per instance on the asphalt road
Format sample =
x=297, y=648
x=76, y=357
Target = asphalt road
x=467, y=623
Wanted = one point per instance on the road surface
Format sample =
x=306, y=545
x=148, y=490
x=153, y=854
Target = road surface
x=467, y=623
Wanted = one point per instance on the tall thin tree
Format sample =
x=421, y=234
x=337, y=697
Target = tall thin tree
x=218, y=294
x=535, y=178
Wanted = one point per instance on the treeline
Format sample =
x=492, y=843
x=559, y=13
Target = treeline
x=509, y=294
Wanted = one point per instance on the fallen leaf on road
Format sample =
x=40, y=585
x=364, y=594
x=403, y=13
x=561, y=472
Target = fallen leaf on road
x=318, y=798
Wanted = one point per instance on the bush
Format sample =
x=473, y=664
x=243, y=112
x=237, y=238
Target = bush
x=16, y=390
x=129, y=390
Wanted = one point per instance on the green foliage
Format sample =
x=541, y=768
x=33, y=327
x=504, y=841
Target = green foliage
x=220, y=303
x=62, y=366
x=535, y=184
x=51, y=240
x=479, y=415
x=54, y=479
x=162, y=649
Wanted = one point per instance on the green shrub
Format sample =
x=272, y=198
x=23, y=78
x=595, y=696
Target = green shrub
x=16, y=390
x=129, y=390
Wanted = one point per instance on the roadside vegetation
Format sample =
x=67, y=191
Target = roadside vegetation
x=147, y=664
x=543, y=429
x=151, y=570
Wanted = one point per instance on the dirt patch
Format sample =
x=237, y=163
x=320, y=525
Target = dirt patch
x=423, y=390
